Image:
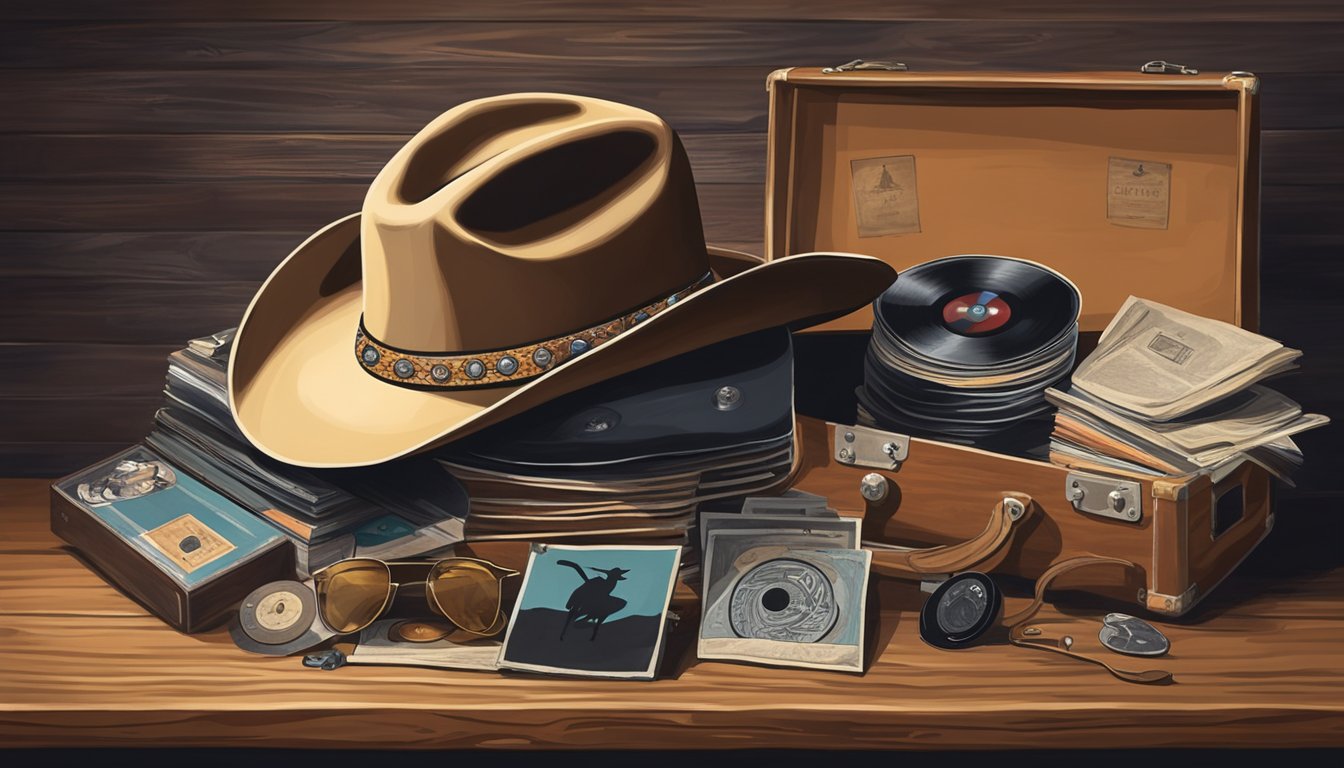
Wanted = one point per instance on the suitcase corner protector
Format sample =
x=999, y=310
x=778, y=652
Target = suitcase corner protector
x=1173, y=605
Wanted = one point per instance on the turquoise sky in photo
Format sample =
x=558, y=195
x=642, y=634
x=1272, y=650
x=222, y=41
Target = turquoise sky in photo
x=645, y=588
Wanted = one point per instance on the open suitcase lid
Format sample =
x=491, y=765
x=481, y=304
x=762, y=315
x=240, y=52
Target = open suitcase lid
x=1127, y=183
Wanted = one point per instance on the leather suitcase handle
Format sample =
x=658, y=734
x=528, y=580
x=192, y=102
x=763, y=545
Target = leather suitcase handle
x=1007, y=516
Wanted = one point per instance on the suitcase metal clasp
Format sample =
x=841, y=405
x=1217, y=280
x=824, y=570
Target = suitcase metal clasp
x=1167, y=68
x=868, y=447
x=1104, y=496
x=859, y=65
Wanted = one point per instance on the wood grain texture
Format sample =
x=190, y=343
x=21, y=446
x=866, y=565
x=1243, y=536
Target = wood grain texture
x=643, y=11
x=1271, y=46
x=396, y=100
x=716, y=158
x=124, y=678
x=1289, y=157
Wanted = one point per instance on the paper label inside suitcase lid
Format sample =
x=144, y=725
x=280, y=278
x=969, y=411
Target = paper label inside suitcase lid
x=1030, y=166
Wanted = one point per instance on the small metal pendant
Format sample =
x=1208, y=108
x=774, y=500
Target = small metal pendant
x=1132, y=636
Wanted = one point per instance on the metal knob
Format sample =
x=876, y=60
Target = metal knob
x=1117, y=500
x=873, y=486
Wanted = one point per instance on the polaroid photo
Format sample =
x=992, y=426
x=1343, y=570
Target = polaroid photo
x=592, y=611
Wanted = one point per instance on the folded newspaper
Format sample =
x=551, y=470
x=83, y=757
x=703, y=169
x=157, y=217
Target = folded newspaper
x=1160, y=363
x=1171, y=393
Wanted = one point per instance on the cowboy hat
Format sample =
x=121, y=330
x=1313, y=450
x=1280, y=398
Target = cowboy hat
x=518, y=248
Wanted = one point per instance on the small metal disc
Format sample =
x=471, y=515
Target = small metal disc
x=370, y=356
x=641, y=316
x=578, y=346
x=440, y=372
x=507, y=365
x=419, y=631
x=727, y=398
x=404, y=368
x=542, y=357
x=474, y=369
x=1132, y=636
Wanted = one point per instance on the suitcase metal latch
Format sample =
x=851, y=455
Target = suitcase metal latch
x=1167, y=68
x=867, y=447
x=859, y=65
x=1104, y=496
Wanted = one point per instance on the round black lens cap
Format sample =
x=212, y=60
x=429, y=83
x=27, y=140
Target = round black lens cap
x=960, y=611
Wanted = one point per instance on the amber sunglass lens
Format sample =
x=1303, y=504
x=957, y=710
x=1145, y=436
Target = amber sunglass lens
x=351, y=594
x=468, y=594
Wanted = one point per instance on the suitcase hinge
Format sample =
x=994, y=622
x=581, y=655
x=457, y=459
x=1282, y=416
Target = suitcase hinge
x=1167, y=68
x=860, y=65
x=867, y=447
x=1104, y=496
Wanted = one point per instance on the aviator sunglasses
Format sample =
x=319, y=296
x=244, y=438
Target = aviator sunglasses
x=353, y=593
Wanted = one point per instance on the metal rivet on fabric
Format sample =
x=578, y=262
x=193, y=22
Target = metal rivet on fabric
x=370, y=356
x=578, y=346
x=404, y=368
x=727, y=398
x=597, y=424
x=474, y=369
x=507, y=365
x=542, y=357
x=671, y=300
x=440, y=372
x=641, y=316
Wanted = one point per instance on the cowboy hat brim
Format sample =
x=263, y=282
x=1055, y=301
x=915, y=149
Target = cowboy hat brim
x=299, y=394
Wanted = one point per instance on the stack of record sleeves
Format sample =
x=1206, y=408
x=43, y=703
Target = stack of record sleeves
x=963, y=349
x=635, y=458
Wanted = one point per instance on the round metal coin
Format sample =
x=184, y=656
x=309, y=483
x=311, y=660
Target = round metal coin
x=1132, y=636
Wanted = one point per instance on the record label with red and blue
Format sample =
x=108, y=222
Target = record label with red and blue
x=977, y=313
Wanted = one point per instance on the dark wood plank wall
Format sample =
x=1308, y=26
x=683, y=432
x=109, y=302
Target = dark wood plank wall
x=158, y=158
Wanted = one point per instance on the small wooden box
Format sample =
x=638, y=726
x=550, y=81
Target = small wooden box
x=183, y=551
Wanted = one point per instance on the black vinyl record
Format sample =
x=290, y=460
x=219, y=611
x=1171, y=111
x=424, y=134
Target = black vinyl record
x=978, y=310
x=963, y=349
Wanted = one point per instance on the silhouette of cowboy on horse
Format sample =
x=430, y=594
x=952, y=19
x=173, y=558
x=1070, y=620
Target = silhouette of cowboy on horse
x=592, y=600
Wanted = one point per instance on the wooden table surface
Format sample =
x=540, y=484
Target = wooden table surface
x=1260, y=664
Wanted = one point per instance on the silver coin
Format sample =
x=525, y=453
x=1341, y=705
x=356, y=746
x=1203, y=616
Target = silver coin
x=783, y=599
x=1132, y=636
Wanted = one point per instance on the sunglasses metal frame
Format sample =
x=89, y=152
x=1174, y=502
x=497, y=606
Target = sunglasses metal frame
x=501, y=572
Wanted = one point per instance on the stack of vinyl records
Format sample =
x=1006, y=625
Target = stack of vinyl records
x=963, y=349
x=632, y=460
x=401, y=509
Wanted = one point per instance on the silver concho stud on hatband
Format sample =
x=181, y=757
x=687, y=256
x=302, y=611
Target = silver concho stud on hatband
x=507, y=365
x=404, y=368
x=578, y=346
x=440, y=373
x=542, y=357
x=474, y=369
x=370, y=356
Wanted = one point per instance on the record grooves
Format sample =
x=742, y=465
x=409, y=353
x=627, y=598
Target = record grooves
x=964, y=347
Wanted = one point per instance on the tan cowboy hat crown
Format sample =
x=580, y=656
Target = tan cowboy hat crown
x=518, y=248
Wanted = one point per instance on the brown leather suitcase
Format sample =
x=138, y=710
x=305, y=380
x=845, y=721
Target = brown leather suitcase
x=1028, y=165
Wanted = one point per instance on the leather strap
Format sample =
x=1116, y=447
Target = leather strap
x=1025, y=633
x=977, y=552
